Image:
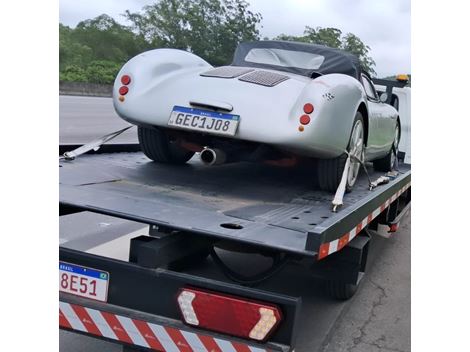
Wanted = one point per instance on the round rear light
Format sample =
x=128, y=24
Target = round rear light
x=123, y=90
x=125, y=80
x=308, y=108
x=304, y=119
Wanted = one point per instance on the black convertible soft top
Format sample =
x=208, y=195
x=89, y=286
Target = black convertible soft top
x=335, y=60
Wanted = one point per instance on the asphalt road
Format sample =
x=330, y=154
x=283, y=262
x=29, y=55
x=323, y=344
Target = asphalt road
x=377, y=318
x=83, y=119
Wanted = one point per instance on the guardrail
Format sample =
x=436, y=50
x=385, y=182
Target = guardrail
x=85, y=89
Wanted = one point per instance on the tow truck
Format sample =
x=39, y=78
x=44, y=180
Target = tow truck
x=150, y=299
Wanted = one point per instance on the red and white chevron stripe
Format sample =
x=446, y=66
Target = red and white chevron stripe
x=331, y=247
x=141, y=333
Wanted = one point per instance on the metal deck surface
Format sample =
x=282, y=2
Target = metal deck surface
x=254, y=203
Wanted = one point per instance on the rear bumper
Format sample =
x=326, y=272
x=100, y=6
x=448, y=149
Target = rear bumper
x=130, y=327
x=142, y=309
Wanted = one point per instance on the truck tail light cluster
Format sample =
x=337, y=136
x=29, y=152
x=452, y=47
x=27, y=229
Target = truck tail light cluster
x=124, y=89
x=228, y=314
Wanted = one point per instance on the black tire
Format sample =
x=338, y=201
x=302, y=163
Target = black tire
x=330, y=171
x=157, y=146
x=340, y=290
x=385, y=164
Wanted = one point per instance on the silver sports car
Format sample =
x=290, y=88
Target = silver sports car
x=277, y=102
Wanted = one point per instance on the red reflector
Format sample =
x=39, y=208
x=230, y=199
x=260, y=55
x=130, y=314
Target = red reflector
x=228, y=314
x=308, y=108
x=125, y=80
x=123, y=90
x=304, y=119
x=394, y=227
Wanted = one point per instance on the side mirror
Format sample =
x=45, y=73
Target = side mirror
x=383, y=97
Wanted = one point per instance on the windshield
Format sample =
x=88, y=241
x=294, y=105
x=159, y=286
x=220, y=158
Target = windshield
x=285, y=58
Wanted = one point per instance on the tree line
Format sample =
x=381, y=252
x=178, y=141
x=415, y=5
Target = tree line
x=95, y=49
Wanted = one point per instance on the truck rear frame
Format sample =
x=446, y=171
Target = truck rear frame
x=193, y=209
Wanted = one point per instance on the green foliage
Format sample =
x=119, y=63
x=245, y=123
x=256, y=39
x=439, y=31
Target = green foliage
x=354, y=45
x=73, y=73
x=108, y=39
x=102, y=71
x=324, y=36
x=96, y=49
x=210, y=29
x=72, y=52
x=334, y=38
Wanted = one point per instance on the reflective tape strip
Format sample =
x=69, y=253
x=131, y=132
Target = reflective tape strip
x=209, y=343
x=365, y=222
x=352, y=234
x=148, y=335
x=144, y=334
x=71, y=317
x=328, y=248
x=63, y=320
x=86, y=320
x=255, y=349
x=117, y=327
x=194, y=341
x=333, y=247
x=132, y=331
x=225, y=345
x=164, y=338
x=178, y=339
x=101, y=324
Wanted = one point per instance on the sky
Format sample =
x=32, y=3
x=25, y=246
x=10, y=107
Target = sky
x=384, y=25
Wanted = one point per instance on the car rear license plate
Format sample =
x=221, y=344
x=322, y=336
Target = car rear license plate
x=204, y=121
x=84, y=282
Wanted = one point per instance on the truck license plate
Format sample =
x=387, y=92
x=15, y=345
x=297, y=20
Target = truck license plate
x=204, y=120
x=84, y=282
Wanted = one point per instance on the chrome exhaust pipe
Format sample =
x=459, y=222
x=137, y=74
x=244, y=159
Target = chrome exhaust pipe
x=211, y=156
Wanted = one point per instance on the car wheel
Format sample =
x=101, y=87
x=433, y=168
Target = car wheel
x=340, y=290
x=330, y=171
x=386, y=163
x=157, y=146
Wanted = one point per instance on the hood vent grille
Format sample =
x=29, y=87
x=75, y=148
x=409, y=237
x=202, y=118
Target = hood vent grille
x=227, y=72
x=264, y=78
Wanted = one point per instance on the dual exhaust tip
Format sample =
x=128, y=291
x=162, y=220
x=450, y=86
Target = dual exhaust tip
x=213, y=156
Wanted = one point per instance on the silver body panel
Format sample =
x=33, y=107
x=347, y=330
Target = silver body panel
x=164, y=78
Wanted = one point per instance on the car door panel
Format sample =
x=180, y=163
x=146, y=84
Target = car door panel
x=382, y=122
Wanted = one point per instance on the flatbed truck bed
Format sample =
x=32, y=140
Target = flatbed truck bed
x=258, y=208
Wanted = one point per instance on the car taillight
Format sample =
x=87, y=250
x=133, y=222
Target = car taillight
x=126, y=79
x=123, y=90
x=304, y=119
x=228, y=314
x=308, y=108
